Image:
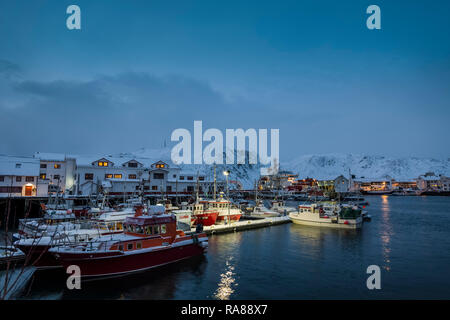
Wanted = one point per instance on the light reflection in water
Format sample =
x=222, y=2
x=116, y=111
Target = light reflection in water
x=387, y=231
x=227, y=282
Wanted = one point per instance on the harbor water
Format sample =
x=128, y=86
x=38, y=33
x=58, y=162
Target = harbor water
x=408, y=238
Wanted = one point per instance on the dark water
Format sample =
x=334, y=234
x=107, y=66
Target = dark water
x=408, y=238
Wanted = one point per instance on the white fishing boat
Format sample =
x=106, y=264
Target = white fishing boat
x=280, y=207
x=261, y=211
x=338, y=216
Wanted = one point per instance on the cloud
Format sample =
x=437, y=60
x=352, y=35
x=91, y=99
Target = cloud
x=121, y=112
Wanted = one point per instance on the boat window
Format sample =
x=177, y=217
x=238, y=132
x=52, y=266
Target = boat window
x=148, y=230
x=121, y=247
x=156, y=229
x=130, y=246
x=139, y=245
x=163, y=228
x=119, y=226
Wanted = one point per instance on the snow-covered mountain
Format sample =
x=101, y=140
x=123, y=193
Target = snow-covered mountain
x=329, y=166
x=324, y=166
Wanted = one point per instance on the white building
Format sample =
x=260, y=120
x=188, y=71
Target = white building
x=58, y=170
x=19, y=177
x=432, y=182
x=341, y=184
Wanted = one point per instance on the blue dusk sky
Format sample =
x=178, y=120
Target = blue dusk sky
x=137, y=70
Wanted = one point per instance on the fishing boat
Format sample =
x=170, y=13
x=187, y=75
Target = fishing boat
x=199, y=214
x=11, y=255
x=280, y=207
x=259, y=210
x=339, y=216
x=227, y=212
x=148, y=242
x=36, y=247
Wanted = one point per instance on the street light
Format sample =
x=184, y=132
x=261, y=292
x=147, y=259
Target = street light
x=226, y=173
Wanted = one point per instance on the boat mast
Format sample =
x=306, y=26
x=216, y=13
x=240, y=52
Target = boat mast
x=214, y=196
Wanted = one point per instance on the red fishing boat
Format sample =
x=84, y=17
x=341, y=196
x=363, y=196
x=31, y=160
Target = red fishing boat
x=148, y=242
x=200, y=214
x=226, y=211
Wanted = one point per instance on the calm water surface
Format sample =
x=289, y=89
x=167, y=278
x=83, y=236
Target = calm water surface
x=408, y=237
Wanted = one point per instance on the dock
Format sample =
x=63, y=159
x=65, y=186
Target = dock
x=245, y=225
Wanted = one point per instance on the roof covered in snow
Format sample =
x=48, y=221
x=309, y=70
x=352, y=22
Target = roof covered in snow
x=19, y=166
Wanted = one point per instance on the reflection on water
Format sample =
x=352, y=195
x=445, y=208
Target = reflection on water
x=408, y=238
x=386, y=232
x=227, y=282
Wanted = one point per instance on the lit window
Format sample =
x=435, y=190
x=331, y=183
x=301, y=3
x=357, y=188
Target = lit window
x=139, y=245
x=108, y=176
x=57, y=166
x=131, y=176
x=160, y=166
x=118, y=176
x=102, y=164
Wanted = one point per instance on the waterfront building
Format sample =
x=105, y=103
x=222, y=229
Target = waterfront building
x=381, y=184
x=282, y=180
x=58, y=171
x=432, y=182
x=19, y=177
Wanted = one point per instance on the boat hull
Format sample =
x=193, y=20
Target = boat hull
x=327, y=223
x=206, y=219
x=117, y=264
x=222, y=219
x=39, y=256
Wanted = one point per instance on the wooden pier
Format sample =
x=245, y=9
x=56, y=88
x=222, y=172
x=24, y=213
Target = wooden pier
x=245, y=225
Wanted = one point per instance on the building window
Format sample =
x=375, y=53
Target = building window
x=131, y=176
x=132, y=164
x=18, y=165
x=29, y=179
x=56, y=177
x=158, y=175
x=108, y=175
x=43, y=166
x=146, y=188
x=88, y=176
x=154, y=187
x=201, y=178
x=169, y=188
x=18, y=179
x=190, y=178
x=160, y=165
x=118, y=176
x=190, y=189
x=181, y=177
x=102, y=163
x=2, y=178
x=57, y=166
x=43, y=176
